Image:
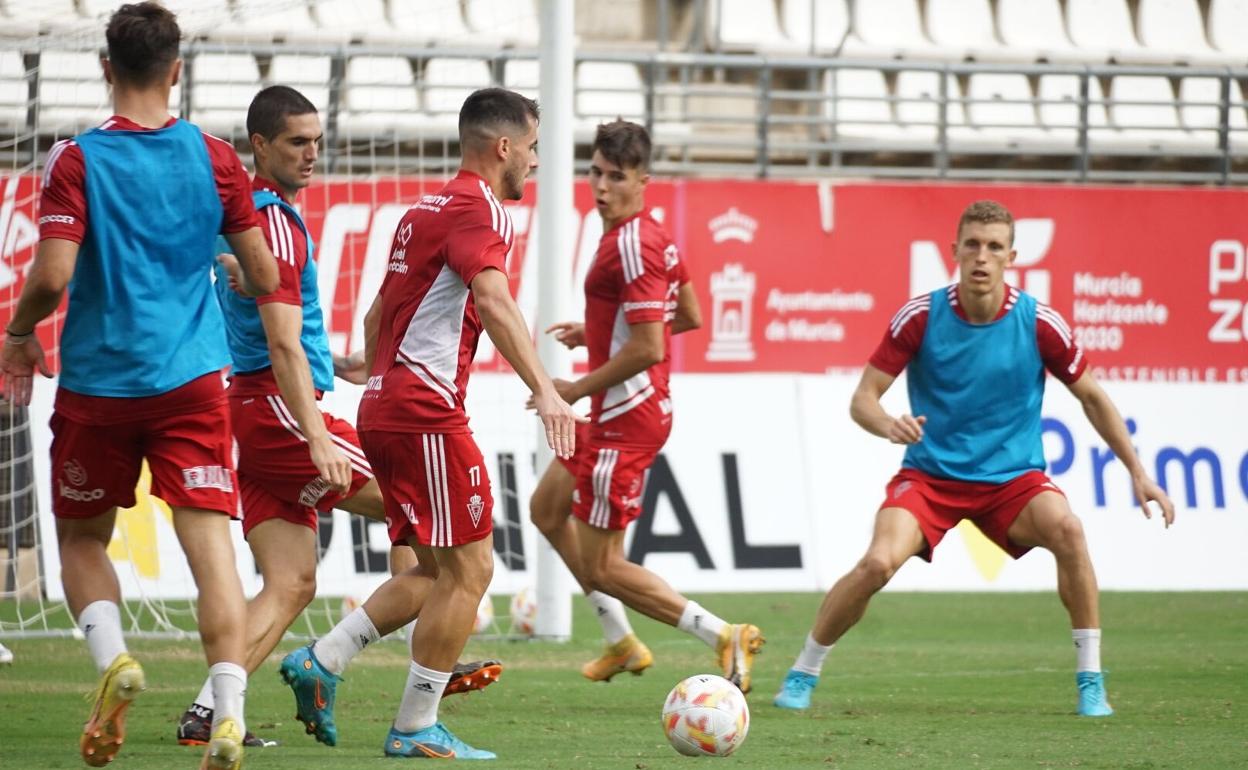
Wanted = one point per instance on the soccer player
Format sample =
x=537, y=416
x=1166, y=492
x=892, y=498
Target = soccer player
x=129, y=219
x=293, y=459
x=976, y=354
x=618, y=184
x=627, y=330
x=446, y=281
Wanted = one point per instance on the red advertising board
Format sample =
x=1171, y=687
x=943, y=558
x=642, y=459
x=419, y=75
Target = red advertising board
x=804, y=277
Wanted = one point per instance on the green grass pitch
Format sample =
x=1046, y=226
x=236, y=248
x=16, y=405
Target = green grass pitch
x=925, y=681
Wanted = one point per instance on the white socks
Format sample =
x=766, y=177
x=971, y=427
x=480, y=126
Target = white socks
x=101, y=625
x=229, y=686
x=810, y=659
x=702, y=624
x=1087, y=649
x=344, y=641
x=205, y=699
x=419, y=708
x=610, y=612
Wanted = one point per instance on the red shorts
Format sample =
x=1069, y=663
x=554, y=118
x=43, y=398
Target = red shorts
x=435, y=486
x=939, y=504
x=276, y=477
x=573, y=463
x=608, y=485
x=191, y=457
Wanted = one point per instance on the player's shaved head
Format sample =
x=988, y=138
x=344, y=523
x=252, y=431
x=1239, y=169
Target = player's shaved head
x=987, y=212
x=625, y=144
x=143, y=40
x=493, y=112
x=269, y=109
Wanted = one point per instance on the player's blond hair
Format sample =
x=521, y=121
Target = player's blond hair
x=986, y=212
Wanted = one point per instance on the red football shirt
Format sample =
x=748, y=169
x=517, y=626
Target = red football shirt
x=429, y=325
x=1059, y=351
x=63, y=201
x=636, y=274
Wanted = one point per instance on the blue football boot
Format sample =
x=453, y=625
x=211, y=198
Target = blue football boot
x=314, y=693
x=433, y=742
x=1092, y=699
x=795, y=690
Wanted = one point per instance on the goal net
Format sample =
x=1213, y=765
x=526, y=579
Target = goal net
x=388, y=79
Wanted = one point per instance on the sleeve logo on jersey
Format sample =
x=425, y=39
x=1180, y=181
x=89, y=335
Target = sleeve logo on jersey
x=58, y=219
x=631, y=306
x=208, y=477
x=671, y=257
x=476, y=506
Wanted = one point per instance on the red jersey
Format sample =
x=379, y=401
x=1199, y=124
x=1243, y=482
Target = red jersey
x=63, y=201
x=429, y=325
x=290, y=247
x=636, y=273
x=1059, y=351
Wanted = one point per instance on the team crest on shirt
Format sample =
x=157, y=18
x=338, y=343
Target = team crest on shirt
x=476, y=506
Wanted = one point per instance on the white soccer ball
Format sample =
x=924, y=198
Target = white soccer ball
x=524, y=612
x=349, y=605
x=706, y=716
x=485, y=615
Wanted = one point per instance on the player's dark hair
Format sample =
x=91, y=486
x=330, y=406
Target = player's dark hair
x=987, y=212
x=493, y=112
x=269, y=109
x=143, y=41
x=625, y=144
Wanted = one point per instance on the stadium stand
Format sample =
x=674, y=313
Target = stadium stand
x=976, y=88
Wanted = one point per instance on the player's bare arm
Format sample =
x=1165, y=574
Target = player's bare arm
x=282, y=326
x=1109, y=424
x=351, y=368
x=645, y=348
x=510, y=334
x=866, y=410
x=50, y=273
x=257, y=268
x=688, y=312
x=372, y=326
x=570, y=334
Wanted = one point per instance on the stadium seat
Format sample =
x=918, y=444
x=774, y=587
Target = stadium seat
x=1058, y=106
x=72, y=93
x=1001, y=113
x=918, y=101
x=1143, y=108
x=509, y=22
x=1175, y=29
x=307, y=74
x=435, y=24
x=735, y=26
x=445, y=84
x=859, y=114
x=380, y=96
x=1199, y=111
x=523, y=76
x=1227, y=21
x=823, y=27
x=1105, y=28
x=617, y=23
x=968, y=26
x=1037, y=25
x=222, y=86
x=255, y=21
x=12, y=93
x=896, y=28
x=355, y=20
x=605, y=91
x=28, y=19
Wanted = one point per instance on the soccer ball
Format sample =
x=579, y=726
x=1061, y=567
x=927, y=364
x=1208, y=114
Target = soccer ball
x=485, y=615
x=524, y=612
x=706, y=716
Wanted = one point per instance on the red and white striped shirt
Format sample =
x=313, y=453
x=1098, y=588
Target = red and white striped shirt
x=429, y=324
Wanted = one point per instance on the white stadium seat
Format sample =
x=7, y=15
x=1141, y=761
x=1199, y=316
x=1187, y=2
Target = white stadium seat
x=355, y=20
x=222, y=87
x=1058, y=106
x=1001, y=111
x=309, y=75
x=1200, y=113
x=825, y=27
x=439, y=23
x=12, y=92
x=33, y=17
x=607, y=90
x=896, y=27
x=523, y=76
x=1037, y=25
x=446, y=83
x=746, y=25
x=859, y=114
x=72, y=94
x=918, y=101
x=255, y=21
x=1143, y=108
x=1227, y=21
x=968, y=27
x=1106, y=28
x=1176, y=29
x=380, y=96
x=511, y=22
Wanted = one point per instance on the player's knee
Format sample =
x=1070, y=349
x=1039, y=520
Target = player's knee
x=1067, y=535
x=876, y=570
x=295, y=589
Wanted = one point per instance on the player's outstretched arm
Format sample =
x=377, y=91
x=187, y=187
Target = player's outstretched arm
x=351, y=368
x=258, y=269
x=688, y=312
x=1108, y=422
x=45, y=285
x=570, y=334
x=282, y=325
x=510, y=334
x=868, y=412
x=643, y=349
